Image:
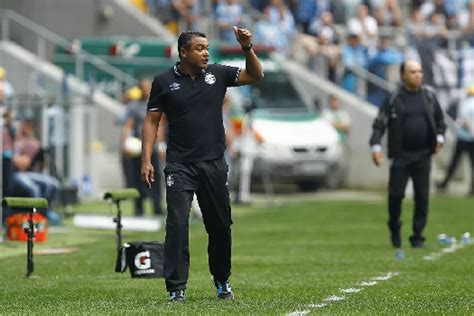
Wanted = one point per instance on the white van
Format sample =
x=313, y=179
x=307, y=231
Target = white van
x=291, y=142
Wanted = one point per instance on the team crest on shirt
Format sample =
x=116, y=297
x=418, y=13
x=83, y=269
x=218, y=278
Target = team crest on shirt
x=174, y=86
x=169, y=180
x=209, y=78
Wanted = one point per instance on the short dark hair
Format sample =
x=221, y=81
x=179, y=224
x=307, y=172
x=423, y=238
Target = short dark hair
x=332, y=97
x=352, y=35
x=185, y=38
x=402, y=68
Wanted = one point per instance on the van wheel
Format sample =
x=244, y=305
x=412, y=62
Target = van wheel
x=335, y=179
x=307, y=185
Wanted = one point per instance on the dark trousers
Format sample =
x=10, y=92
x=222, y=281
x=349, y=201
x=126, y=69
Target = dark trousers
x=461, y=146
x=417, y=167
x=208, y=179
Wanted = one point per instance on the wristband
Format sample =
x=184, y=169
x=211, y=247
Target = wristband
x=162, y=146
x=246, y=49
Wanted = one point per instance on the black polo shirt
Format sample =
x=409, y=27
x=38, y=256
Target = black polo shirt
x=416, y=130
x=193, y=109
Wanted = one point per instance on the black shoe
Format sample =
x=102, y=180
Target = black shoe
x=224, y=291
x=396, y=239
x=417, y=242
x=177, y=296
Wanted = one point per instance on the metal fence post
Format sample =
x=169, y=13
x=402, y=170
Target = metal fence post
x=79, y=71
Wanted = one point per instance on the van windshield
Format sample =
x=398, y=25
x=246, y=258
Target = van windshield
x=276, y=92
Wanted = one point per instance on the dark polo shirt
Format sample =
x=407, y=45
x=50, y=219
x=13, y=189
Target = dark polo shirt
x=193, y=109
x=416, y=131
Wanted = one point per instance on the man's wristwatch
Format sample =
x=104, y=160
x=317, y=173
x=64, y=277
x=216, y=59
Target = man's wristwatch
x=247, y=48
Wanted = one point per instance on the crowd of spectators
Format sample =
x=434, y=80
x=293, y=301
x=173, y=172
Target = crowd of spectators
x=24, y=160
x=335, y=38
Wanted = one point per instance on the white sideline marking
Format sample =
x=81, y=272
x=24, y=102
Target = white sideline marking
x=337, y=298
x=451, y=249
x=432, y=256
x=351, y=290
x=382, y=278
x=317, y=305
x=386, y=277
x=334, y=298
x=299, y=313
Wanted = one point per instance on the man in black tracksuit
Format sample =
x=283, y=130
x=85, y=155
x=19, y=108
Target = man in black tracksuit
x=191, y=95
x=415, y=132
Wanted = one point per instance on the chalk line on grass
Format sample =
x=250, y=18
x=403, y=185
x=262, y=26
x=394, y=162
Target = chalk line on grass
x=351, y=290
x=374, y=281
x=451, y=249
x=334, y=298
x=317, y=305
x=386, y=277
x=338, y=298
x=299, y=313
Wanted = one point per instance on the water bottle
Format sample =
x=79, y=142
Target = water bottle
x=86, y=185
x=466, y=238
x=452, y=240
x=399, y=254
x=443, y=239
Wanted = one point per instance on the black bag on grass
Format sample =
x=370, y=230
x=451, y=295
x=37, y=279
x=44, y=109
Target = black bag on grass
x=144, y=259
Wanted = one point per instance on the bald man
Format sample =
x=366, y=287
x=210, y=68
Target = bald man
x=415, y=132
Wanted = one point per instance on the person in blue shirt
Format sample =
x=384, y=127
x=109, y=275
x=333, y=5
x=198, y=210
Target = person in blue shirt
x=353, y=54
x=379, y=64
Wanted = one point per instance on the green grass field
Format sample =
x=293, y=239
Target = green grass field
x=284, y=259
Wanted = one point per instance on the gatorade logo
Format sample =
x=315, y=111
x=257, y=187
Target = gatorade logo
x=142, y=260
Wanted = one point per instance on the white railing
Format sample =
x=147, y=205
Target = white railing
x=45, y=36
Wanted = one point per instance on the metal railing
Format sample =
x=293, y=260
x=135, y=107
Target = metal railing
x=44, y=36
x=136, y=60
x=372, y=78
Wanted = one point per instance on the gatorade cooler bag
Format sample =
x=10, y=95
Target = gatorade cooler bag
x=17, y=223
x=144, y=259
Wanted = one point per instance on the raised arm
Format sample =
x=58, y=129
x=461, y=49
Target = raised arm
x=253, y=71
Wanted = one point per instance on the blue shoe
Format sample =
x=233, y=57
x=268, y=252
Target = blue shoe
x=224, y=291
x=177, y=296
x=399, y=254
x=54, y=219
